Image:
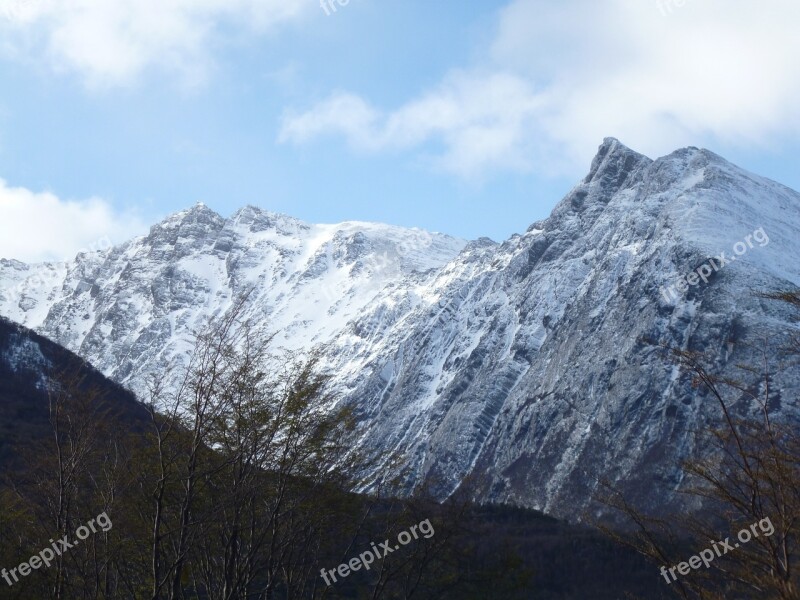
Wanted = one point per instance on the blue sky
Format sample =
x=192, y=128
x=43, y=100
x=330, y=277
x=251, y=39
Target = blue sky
x=468, y=118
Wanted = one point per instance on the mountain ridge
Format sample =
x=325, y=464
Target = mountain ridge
x=518, y=363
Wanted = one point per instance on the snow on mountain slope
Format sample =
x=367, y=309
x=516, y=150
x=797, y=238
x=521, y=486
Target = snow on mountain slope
x=131, y=308
x=523, y=364
x=526, y=366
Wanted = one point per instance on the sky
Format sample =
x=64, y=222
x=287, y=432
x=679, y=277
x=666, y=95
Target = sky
x=469, y=118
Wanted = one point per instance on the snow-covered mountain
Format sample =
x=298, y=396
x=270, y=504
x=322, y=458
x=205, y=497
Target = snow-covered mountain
x=526, y=368
x=521, y=364
x=132, y=309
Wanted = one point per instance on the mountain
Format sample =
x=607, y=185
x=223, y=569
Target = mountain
x=31, y=369
x=521, y=364
x=132, y=309
x=528, y=369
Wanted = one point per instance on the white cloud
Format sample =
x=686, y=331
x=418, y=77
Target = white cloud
x=561, y=76
x=481, y=119
x=112, y=42
x=38, y=227
x=341, y=113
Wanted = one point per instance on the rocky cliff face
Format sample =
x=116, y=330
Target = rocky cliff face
x=529, y=371
x=522, y=364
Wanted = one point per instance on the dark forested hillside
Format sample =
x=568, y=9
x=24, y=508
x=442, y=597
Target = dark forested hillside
x=29, y=367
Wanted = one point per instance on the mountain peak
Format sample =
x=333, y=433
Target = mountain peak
x=200, y=209
x=614, y=163
x=257, y=219
x=197, y=214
